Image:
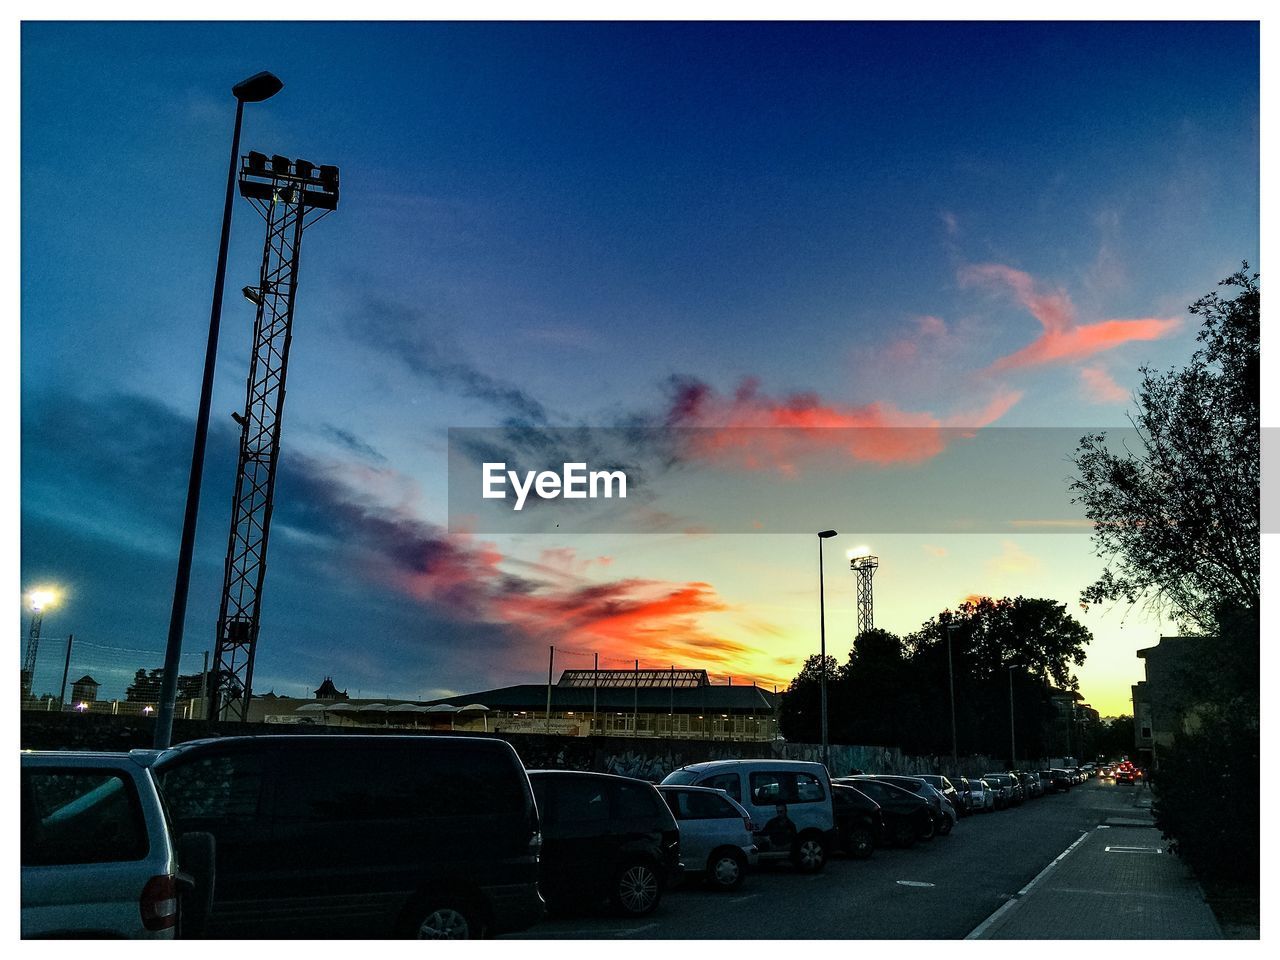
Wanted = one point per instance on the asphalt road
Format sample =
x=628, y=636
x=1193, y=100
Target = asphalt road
x=970, y=873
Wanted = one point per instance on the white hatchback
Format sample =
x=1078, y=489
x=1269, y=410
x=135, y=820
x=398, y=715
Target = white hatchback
x=715, y=834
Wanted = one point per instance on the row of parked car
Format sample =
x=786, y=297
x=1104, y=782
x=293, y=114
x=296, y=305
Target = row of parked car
x=430, y=837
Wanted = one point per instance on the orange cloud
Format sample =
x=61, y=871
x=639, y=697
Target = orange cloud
x=742, y=429
x=1062, y=339
x=1100, y=387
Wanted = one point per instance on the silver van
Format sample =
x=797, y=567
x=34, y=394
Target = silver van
x=789, y=802
x=98, y=859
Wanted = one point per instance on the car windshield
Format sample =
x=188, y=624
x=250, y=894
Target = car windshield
x=682, y=776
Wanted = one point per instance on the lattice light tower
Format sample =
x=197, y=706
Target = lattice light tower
x=291, y=196
x=864, y=566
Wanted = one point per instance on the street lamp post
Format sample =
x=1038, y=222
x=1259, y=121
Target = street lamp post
x=822, y=632
x=951, y=684
x=1013, y=752
x=255, y=89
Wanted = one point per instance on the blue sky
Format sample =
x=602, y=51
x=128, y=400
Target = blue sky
x=572, y=214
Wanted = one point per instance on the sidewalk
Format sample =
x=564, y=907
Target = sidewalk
x=1116, y=882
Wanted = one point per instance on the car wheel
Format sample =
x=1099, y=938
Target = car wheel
x=809, y=854
x=930, y=831
x=945, y=826
x=443, y=920
x=861, y=843
x=726, y=869
x=637, y=889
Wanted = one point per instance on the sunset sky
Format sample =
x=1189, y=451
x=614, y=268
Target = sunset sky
x=922, y=225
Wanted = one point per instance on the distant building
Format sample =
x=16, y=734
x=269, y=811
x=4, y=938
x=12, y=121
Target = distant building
x=627, y=703
x=641, y=703
x=328, y=691
x=85, y=690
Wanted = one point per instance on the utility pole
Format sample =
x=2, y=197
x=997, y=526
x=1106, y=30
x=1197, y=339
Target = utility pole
x=822, y=659
x=595, y=692
x=66, y=668
x=204, y=687
x=1013, y=752
x=551, y=665
x=951, y=683
x=635, y=703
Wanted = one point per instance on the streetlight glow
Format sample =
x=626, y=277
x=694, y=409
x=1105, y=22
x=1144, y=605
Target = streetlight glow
x=42, y=598
x=855, y=553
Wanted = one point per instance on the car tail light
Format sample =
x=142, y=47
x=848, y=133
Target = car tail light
x=159, y=903
x=751, y=827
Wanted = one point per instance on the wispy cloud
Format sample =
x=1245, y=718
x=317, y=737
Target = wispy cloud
x=753, y=430
x=1062, y=338
x=1098, y=386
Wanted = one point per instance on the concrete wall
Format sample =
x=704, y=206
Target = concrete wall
x=649, y=758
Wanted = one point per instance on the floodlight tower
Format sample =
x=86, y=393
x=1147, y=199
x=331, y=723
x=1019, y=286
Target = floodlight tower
x=39, y=600
x=291, y=196
x=864, y=565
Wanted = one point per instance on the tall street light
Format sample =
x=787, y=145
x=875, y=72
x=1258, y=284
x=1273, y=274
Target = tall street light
x=951, y=683
x=822, y=632
x=1013, y=752
x=259, y=87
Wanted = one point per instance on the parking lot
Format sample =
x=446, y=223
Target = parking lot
x=940, y=889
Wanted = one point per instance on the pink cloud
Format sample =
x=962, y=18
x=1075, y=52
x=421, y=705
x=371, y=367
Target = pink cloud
x=880, y=433
x=1062, y=339
x=1100, y=387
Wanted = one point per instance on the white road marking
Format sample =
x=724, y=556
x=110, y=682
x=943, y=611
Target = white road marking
x=981, y=930
x=634, y=930
x=914, y=883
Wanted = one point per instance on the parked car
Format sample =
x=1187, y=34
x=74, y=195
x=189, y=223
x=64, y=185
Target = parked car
x=1001, y=789
x=859, y=822
x=605, y=839
x=715, y=834
x=1008, y=785
x=789, y=802
x=964, y=795
x=98, y=858
x=1063, y=776
x=907, y=817
x=984, y=797
x=343, y=836
x=944, y=815
x=946, y=788
x=1031, y=787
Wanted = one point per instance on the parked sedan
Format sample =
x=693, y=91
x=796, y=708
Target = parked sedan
x=983, y=796
x=859, y=822
x=944, y=815
x=1031, y=786
x=604, y=838
x=715, y=835
x=1006, y=784
x=964, y=795
x=907, y=817
x=946, y=788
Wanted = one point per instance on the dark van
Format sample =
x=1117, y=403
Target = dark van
x=360, y=836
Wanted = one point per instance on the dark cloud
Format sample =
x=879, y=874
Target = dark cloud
x=352, y=443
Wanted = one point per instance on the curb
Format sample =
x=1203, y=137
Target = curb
x=983, y=930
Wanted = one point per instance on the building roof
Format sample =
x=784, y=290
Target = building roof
x=86, y=679
x=327, y=691
x=711, y=699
